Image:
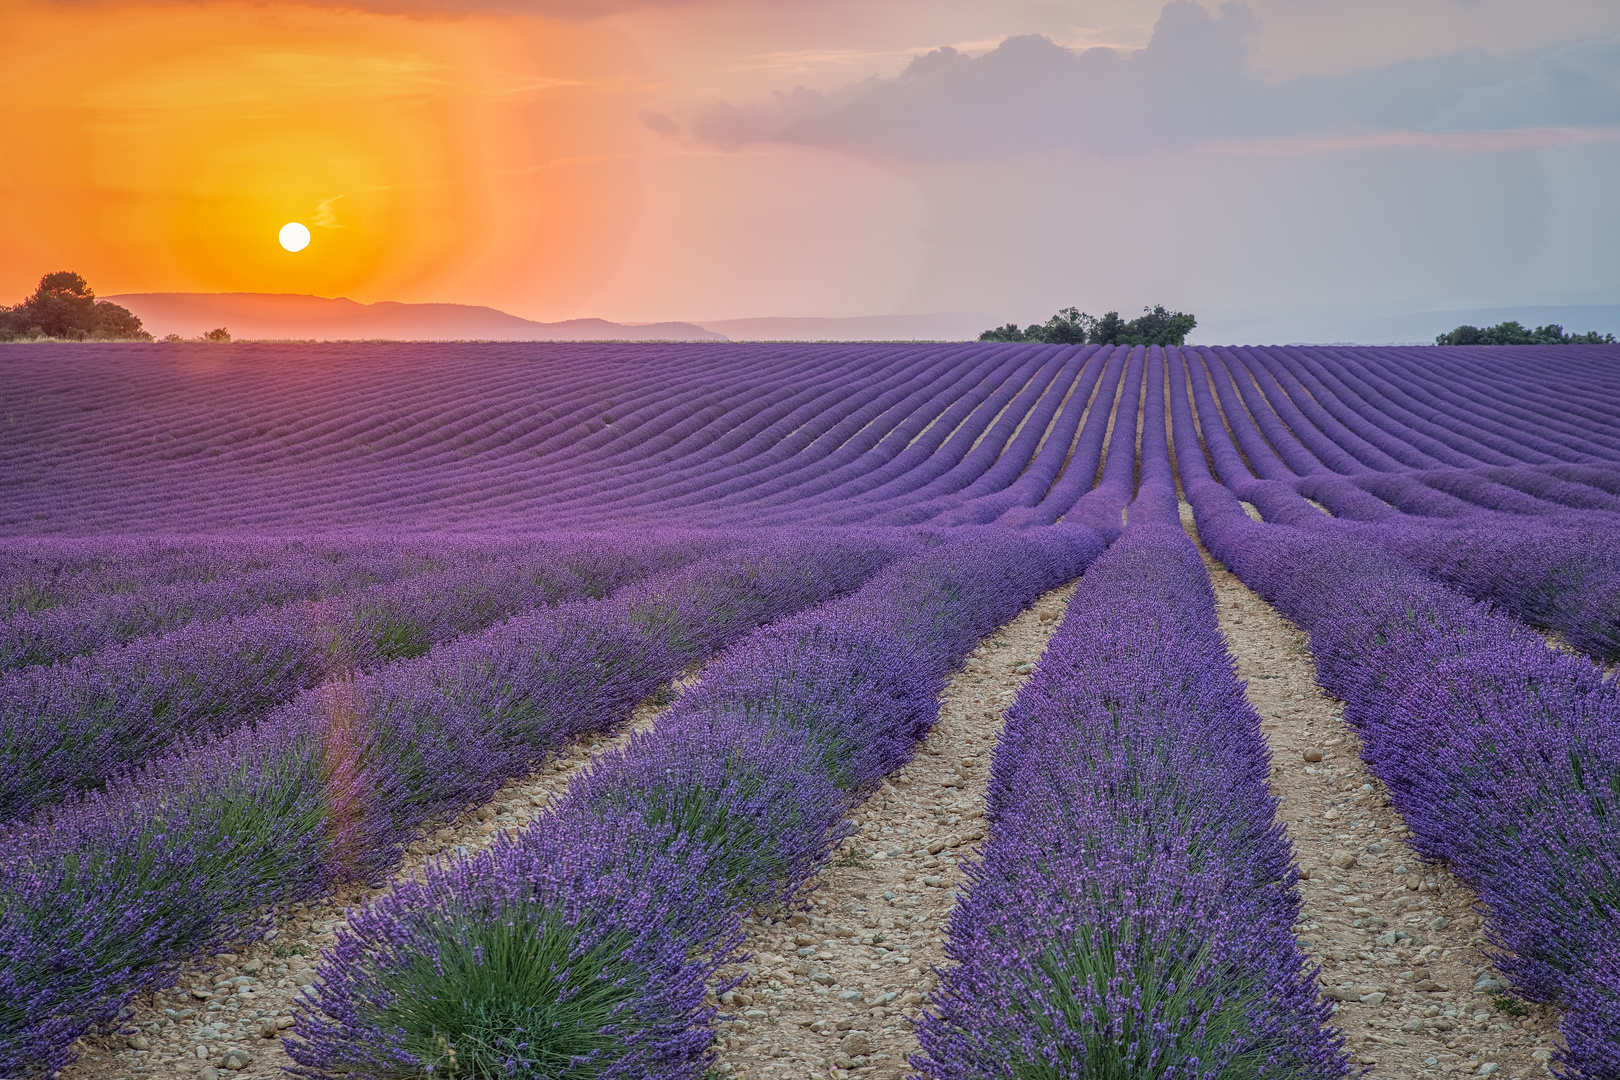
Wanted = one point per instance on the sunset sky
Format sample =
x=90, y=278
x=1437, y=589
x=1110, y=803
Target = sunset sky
x=710, y=159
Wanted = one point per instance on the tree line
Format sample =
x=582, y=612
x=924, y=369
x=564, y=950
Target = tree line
x=1511, y=333
x=65, y=307
x=1071, y=326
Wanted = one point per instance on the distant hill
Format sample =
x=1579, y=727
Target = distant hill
x=946, y=326
x=289, y=315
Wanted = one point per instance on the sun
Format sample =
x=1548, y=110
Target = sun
x=294, y=237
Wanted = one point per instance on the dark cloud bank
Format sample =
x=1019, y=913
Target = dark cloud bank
x=1190, y=85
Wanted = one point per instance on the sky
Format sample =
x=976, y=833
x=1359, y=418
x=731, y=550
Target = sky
x=644, y=160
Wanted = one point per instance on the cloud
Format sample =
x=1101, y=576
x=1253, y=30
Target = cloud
x=1192, y=85
x=1575, y=86
x=660, y=123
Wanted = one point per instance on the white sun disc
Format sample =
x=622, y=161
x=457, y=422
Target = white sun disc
x=294, y=237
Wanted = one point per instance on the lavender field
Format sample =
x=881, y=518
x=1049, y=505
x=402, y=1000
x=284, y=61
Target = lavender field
x=272, y=618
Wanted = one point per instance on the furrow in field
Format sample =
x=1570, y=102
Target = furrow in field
x=242, y=1000
x=837, y=986
x=1399, y=940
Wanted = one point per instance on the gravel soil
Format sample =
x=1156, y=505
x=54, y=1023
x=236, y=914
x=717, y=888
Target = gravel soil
x=833, y=990
x=1398, y=939
x=227, y=1013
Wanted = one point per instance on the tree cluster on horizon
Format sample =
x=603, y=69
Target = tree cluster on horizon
x=1071, y=326
x=64, y=307
x=1511, y=333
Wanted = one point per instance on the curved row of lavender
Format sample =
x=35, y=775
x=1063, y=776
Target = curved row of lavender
x=1508, y=500
x=41, y=573
x=1132, y=913
x=105, y=896
x=1501, y=755
x=584, y=947
x=70, y=727
x=65, y=609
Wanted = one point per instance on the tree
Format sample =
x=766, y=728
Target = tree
x=1155, y=327
x=1511, y=333
x=1071, y=326
x=64, y=306
x=1106, y=330
x=1010, y=332
x=218, y=333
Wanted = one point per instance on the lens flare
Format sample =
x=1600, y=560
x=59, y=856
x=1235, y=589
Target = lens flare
x=294, y=237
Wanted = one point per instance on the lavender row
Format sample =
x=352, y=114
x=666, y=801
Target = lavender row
x=1480, y=428
x=997, y=413
x=108, y=894
x=1564, y=577
x=1278, y=389
x=42, y=578
x=1550, y=567
x=1426, y=437
x=629, y=460
x=39, y=574
x=70, y=726
x=586, y=947
x=1132, y=912
x=1501, y=755
x=65, y=631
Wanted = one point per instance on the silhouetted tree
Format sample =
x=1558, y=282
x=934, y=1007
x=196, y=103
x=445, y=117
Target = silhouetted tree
x=64, y=306
x=1511, y=333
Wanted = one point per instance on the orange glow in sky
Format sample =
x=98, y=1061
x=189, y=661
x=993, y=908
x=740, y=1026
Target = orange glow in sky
x=649, y=160
x=167, y=145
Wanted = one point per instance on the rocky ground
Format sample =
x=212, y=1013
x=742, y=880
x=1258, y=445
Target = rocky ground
x=833, y=991
x=1399, y=941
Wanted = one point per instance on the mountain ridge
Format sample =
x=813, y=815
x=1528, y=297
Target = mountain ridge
x=297, y=316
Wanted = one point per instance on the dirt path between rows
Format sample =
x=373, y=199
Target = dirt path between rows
x=226, y=1016
x=1398, y=939
x=833, y=991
